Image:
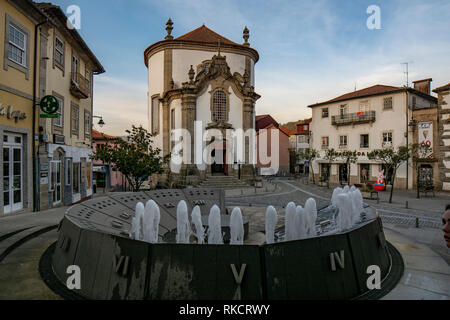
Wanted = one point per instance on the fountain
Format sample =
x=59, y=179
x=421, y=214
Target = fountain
x=271, y=222
x=197, y=222
x=114, y=240
x=236, y=227
x=215, y=227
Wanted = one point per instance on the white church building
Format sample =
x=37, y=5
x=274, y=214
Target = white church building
x=203, y=82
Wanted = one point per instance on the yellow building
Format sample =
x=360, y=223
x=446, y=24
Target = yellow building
x=67, y=70
x=61, y=171
x=17, y=80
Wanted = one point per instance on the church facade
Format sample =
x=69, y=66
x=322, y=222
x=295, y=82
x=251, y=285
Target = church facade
x=202, y=85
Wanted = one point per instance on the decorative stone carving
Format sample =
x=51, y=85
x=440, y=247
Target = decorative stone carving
x=246, y=36
x=169, y=29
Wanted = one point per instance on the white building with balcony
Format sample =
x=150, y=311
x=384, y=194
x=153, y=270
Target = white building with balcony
x=365, y=120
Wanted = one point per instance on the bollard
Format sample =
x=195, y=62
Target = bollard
x=406, y=205
x=417, y=222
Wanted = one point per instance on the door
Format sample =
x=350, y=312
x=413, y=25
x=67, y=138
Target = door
x=55, y=167
x=343, y=176
x=75, y=69
x=218, y=166
x=12, y=174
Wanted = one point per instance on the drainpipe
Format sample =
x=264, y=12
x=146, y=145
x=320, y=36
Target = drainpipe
x=35, y=157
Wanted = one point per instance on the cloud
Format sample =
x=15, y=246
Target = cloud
x=121, y=103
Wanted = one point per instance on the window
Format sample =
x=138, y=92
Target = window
x=172, y=119
x=87, y=123
x=88, y=80
x=325, y=113
x=387, y=139
x=364, y=106
x=59, y=52
x=155, y=115
x=219, y=106
x=387, y=103
x=343, y=110
x=305, y=128
x=75, y=69
x=68, y=172
x=325, y=142
x=75, y=120
x=342, y=141
x=59, y=122
x=302, y=139
x=364, y=141
x=364, y=172
x=17, y=46
x=76, y=177
x=414, y=101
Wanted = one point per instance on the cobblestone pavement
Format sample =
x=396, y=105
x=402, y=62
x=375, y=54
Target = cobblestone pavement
x=423, y=212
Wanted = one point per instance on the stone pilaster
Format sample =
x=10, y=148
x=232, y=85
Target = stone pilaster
x=165, y=129
x=188, y=106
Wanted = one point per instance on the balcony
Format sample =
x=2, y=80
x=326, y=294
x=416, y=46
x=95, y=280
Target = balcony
x=79, y=86
x=353, y=118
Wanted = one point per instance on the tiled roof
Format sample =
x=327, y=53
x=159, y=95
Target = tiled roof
x=374, y=90
x=443, y=88
x=287, y=131
x=264, y=121
x=306, y=121
x=206, y=35
x=97, y=135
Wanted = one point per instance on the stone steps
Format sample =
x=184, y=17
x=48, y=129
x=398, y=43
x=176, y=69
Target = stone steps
x=225, y=182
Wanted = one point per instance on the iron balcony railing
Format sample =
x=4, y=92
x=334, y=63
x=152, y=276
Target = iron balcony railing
x=80, y=86
x=353, y=118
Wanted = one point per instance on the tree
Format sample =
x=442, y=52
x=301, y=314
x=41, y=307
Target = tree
x=308, y=154
x=330, y=155
x=349, y=157
x=419, y=153
x=134, y=157
x=392, y=159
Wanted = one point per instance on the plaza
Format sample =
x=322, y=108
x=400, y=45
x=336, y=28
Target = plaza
x=426, y=259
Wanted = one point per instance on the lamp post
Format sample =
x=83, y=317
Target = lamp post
x=101, y=123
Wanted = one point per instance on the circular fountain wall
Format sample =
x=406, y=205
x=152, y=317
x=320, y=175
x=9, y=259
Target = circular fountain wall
x=95, y=237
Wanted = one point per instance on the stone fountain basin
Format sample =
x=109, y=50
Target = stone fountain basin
x=94, y=236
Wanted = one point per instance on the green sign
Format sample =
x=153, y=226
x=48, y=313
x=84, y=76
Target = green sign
x=49, y=105
x=49, y=116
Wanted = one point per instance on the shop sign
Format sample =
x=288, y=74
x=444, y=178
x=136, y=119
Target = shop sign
x=11, y=114
x=49, y=106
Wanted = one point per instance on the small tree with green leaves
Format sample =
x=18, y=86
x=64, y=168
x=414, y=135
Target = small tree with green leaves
x=391, y=159
x=349, y=157
x=308, y=154
x=419, y=153
x=330, y=155
x=134, y=157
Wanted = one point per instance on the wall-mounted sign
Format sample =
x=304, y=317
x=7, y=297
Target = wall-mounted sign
x=11, y=114
x=44, y=166
x=59, y=139
x=49, y=106
x=426, y=136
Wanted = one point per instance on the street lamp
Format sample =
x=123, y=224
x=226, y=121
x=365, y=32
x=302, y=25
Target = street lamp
x=101, y=123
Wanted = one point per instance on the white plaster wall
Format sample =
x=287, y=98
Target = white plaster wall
x=203, y=111
x=156, y=74
x=236, y=112
x=183, y=59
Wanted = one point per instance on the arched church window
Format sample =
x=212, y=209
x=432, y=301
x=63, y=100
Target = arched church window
x=219, y=106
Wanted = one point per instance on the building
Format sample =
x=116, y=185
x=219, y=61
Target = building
x=18, y=82
x=202, y=81
x=267, y=128
x=302, y=143
x=67, y=70
x=443, y=136
x=105, y=177
x=372, y=118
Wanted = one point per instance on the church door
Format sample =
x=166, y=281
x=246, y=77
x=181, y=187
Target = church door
x=218, y=164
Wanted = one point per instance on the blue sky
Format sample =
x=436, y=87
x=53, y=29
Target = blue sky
x=310, y=50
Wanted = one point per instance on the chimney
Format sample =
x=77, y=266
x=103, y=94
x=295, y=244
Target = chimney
x=423, y=86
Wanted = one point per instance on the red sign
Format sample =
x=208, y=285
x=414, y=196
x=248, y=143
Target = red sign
x=359, y=114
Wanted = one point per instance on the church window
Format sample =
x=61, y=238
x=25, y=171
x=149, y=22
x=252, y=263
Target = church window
x=155, y=115
x=219, y=106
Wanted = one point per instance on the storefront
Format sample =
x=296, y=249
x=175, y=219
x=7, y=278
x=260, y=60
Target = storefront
x=16, y=162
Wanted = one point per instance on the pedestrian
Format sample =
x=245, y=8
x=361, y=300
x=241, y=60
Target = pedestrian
x=446, y=225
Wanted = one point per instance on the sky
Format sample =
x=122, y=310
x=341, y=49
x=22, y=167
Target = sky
x=310, y=50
